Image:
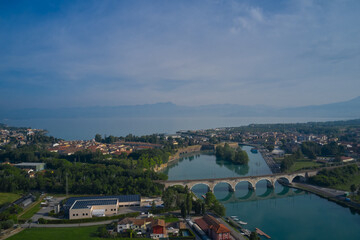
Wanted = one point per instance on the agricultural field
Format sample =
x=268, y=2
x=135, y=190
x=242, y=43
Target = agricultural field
x=8, y=197
x=74, y=233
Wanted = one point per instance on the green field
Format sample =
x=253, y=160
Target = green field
x=76, y=233
x=346, y=187
x=303, y=164
x=8, y=197
x=29, y=213
x=169, y=219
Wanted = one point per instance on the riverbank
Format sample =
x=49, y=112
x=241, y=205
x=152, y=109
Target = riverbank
x=274, y=167
x=189, y=150
x=179, y=154
x=334, y=195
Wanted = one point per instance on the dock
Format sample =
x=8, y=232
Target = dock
x=261, y=233
x=241, y=228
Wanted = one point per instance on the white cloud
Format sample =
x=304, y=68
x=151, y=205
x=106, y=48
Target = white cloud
x=186, y=54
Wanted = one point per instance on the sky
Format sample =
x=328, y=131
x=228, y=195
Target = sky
x=248, y=52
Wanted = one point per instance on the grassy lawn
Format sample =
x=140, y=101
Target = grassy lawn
x=76, y=233
x=303, y=164
x=346, y=187
x=8, y=197
x=169, y=219
x=57, y=233
x=30, y=212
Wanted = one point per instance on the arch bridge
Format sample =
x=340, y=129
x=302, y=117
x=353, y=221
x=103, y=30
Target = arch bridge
x=233, y=181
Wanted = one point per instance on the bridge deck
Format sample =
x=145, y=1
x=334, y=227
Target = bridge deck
x=234, y=178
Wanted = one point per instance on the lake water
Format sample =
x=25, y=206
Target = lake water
x=283, y=213
x=86, y=128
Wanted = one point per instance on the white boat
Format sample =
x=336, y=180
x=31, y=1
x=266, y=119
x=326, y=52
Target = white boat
x=233, y=216
x=242, y=223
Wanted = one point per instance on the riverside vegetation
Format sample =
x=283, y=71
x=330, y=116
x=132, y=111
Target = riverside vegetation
x=230, y=154
x=179, y=197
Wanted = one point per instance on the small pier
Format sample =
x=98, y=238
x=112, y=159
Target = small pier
x=261, y=233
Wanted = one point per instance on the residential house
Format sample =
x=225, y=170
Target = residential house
x=158, y=229
x=213, y=228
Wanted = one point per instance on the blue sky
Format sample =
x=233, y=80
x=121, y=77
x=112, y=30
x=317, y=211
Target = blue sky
x=98, y=53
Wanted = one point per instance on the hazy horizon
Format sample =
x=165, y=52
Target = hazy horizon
x=113, y=53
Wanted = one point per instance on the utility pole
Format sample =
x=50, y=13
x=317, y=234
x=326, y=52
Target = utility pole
x=67, y=185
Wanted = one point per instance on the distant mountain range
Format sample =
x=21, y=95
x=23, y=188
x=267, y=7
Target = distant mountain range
x=347, y=109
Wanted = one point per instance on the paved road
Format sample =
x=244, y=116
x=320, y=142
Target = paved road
x=327, y=192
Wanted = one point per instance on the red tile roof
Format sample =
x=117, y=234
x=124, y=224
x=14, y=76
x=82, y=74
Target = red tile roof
x=209, y=222
x=202, y=224
x=220, y=228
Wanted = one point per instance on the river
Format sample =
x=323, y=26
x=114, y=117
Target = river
x=283, y=213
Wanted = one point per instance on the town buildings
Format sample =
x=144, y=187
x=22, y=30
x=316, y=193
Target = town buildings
x=150, y=227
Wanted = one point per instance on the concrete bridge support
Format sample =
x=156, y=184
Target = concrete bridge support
x=252, y=186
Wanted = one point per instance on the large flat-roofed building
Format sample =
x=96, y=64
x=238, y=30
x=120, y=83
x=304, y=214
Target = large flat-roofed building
x=98, y=206
x=31, y=165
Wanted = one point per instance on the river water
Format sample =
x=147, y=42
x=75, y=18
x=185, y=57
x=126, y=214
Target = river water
x=283, y=213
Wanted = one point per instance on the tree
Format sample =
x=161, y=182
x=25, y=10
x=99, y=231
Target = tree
x=197, y=206
x=7, y=224
x=353, y=187
x=188, y=203
x=203, y=210
x=131, y=232
x=98, y=138
x=218, y=208
x=210, y=198
x=102, y=232
x=183, y=210
x=254, y=236
x=286, y=163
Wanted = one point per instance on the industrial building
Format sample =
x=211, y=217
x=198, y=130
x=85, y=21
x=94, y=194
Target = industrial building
x=31, y=165
x=98, y=206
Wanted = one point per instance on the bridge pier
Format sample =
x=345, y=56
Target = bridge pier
x=252, y=186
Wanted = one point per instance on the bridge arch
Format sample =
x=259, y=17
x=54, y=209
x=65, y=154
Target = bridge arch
x=191, y=186
x=299, y=178
x=250, y=184
x=230, y=185
x=283, y=179
x=270, y=182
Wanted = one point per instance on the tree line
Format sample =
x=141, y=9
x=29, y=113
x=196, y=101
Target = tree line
x=82, y=178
